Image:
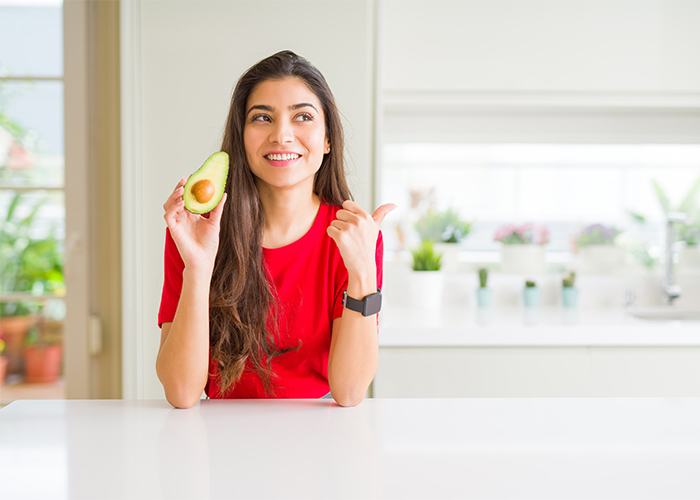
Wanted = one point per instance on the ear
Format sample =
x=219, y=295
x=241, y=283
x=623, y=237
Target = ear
x=326, y=146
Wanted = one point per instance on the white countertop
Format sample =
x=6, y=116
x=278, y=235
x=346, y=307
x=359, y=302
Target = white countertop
x=454, y=326
x=383, y=448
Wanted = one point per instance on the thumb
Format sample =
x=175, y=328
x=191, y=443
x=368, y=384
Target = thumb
x=381, y=212
x=216, y=213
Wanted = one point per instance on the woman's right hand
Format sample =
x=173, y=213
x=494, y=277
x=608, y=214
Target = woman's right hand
x=196, y=237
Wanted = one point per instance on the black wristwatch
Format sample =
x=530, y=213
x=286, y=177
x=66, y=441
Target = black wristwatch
x=367, y=306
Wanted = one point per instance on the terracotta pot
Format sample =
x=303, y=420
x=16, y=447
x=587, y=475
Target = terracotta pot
x=42, y=364
x=3, y=369
x=14, y=330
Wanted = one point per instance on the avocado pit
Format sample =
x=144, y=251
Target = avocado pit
x=203, y=190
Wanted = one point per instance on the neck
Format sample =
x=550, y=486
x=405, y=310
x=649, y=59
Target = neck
x=289, y=215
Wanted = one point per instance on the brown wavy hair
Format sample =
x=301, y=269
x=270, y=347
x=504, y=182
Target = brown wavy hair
x=243, y=310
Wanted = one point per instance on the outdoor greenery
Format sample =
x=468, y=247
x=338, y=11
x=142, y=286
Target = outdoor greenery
x=28, y=263
x=689, y=233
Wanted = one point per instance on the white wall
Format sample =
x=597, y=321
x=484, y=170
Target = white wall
x=181, y=60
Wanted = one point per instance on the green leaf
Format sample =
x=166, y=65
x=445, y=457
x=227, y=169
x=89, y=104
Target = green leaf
x=637, y=217
x=13, y=205
x=663, y=199
x=688, y=204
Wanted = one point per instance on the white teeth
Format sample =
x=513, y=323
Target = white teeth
x=282, y=157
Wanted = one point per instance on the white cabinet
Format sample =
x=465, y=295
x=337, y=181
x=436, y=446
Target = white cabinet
x=513, y=372
x=540, y=45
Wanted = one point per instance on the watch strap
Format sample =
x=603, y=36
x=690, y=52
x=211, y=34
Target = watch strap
x=369, y=305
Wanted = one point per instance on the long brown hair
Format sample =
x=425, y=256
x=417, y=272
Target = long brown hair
x=242, y=299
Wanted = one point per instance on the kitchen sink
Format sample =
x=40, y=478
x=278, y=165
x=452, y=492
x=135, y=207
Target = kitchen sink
x=666, y=314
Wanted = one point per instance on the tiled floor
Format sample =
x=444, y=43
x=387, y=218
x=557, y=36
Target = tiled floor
x=14, y=388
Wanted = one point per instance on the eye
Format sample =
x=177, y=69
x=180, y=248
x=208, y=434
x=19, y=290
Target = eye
x=260, y=118
x=304, y=117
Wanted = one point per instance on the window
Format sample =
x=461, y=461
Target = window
x=565, y=187
x=32, y=180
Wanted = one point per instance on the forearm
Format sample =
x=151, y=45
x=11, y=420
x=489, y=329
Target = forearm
x=352, y=363
x=183, y=361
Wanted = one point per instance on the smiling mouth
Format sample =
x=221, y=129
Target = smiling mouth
x=282, y=157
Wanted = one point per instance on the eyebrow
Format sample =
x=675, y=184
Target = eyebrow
x=293, y=107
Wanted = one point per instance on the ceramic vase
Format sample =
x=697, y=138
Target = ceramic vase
x=426, y=289
x=3, y=369
x=569, y=296
x=600, y=258
x=523, y=259
x=450, y=256
x=531, y=296
x=42, y=365
x=15, y=330
x=484, y=297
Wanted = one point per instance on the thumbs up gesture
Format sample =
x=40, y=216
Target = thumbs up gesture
x=355, y=232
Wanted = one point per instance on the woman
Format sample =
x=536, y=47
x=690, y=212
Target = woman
x=252, y=302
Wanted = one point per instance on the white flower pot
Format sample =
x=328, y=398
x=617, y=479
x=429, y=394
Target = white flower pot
x=522, y=259
x=426, y=288
x=600, y=258
x=450, y=256
x=689, y=257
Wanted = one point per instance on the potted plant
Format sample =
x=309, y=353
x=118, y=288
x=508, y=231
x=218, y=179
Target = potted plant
x=426, y=278
x=531, y=294
x=569, y=294
x=445, y=229
x=522, y=249
x=484, y=295
x=3, y=360
x=30, y=264
x=42, y=355
x=596, y=249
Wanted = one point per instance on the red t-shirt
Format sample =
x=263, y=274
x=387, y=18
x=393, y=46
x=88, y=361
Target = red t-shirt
x=310, y=277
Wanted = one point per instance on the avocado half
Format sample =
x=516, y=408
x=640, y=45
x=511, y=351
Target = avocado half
x=205, y=188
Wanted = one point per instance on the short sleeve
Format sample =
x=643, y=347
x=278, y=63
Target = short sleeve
x=379, y=259
x=172, y=281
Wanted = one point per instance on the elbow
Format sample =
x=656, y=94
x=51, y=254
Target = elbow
x=181, y=401
x=348, y=402
x=348, y=397
x=179, y=395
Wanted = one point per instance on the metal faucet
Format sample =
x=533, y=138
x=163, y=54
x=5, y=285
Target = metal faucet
x=671, y=290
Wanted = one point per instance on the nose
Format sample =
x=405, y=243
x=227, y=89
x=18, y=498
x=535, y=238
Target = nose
x=282, y=133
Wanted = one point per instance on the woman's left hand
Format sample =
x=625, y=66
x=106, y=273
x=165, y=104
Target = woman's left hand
x=355, y=232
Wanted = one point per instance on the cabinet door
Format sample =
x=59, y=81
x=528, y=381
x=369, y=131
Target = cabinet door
x=481, y=372
x=535, y=46
x=645, y=372
x=516, y=372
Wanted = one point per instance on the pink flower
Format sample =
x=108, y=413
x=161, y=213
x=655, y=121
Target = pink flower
x=503, y=232
x=19, y=158
x=524, y=229
x=543, y=236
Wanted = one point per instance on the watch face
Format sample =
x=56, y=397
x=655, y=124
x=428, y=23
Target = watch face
x=373, y=304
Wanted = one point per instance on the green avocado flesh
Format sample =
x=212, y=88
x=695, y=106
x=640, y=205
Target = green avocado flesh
x=205, y=188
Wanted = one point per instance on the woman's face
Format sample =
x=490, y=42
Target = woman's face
x=284, y=134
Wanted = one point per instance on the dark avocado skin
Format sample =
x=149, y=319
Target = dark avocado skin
x=215, y=170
